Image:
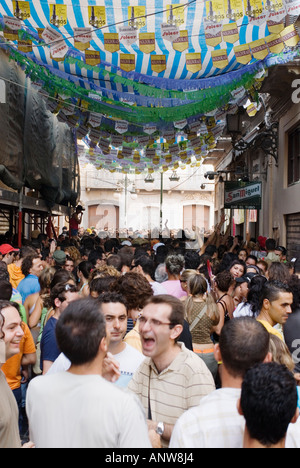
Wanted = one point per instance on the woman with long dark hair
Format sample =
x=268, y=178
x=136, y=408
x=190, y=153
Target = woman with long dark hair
x=251, y=306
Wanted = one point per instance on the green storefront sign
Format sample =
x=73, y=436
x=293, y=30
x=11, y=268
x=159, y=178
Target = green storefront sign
x=245, y=195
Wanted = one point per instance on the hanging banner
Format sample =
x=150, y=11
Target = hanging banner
x=121, y=126
x=276, y=27
x=149, y=129
x=127, y=62
x=137, y=17
x=94, y=135
x=21, y=10
x=169, y=32
x=158, y=63
x=212, y=28
x=82, y=38
x=255, y=11
x=293, y=8
x=127, y=35
x=214, y=38
x=11, y=35
x=290, y=36
x=193, y=62
x=259, y=49
x=230, y=33
x=242, y=54
x=237, y=94
x=147, y=42
x=275, y=43
x=219, y=58
x=95, y=119
x=251, y=109
x=276, y=11
x=68, y=109
x=252, y=216
x=104, y=145
x=111, y=42
x=215, y=11
x=127, y=152
x=136, y=157
x=116, y=140
x=235, y=10
x=182, y=43
x=59, y=50
x=58, y=15
x=239, y=216
x=50, y=35
x=180, y=124
x=92, y=57
x=175, y=13
x=150, y=153
x=25, y=46
x=97, y=16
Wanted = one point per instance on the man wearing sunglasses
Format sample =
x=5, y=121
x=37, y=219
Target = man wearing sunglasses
x=61, y=295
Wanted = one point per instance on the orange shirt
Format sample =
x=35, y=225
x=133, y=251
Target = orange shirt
x=15, y=274
x=12, y=367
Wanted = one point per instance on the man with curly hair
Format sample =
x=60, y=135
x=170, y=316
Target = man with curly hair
x=32, y=267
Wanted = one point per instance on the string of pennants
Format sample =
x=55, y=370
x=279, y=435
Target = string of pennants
x=147, y=87
x=221, y=24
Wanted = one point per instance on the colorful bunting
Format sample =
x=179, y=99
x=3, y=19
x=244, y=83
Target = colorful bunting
x=120, y=74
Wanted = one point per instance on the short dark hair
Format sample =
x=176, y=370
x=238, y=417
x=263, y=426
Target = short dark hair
x=271, y=291
x=192, y=260
x=101, y=285
x=252, y=257
x=108, y=297
x=59, y=292
x=147, y=265
x=5, y=290
x=177, y=307
x=243, y=342
x=268, y=401
x=80, y=330
x=270, y=244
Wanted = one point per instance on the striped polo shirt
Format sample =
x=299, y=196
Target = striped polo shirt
x=176, y=389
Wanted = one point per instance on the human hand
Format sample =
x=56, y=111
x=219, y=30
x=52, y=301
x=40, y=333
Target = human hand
x=111, y=369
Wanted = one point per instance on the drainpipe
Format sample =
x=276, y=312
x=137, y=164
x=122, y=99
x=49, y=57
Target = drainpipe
x=271, y=197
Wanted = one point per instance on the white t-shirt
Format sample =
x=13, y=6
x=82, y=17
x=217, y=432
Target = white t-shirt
x=129, y=359
x=243, y=310
x=83, y=411
x=216, y=423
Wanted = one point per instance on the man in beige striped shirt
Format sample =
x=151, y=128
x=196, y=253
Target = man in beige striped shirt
x=172, y=379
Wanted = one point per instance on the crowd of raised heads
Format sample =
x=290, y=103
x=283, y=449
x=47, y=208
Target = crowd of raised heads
x=173, y=321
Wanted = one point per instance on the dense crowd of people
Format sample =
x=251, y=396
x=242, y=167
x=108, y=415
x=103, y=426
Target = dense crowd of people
x=140, y=343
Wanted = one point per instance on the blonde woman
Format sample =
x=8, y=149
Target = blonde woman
x=203, y=317
x=184, y=277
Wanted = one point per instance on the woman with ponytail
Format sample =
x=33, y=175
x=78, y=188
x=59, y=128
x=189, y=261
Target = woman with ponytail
x=203, y=317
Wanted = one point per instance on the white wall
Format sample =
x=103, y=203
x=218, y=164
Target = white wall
x=141, y=211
